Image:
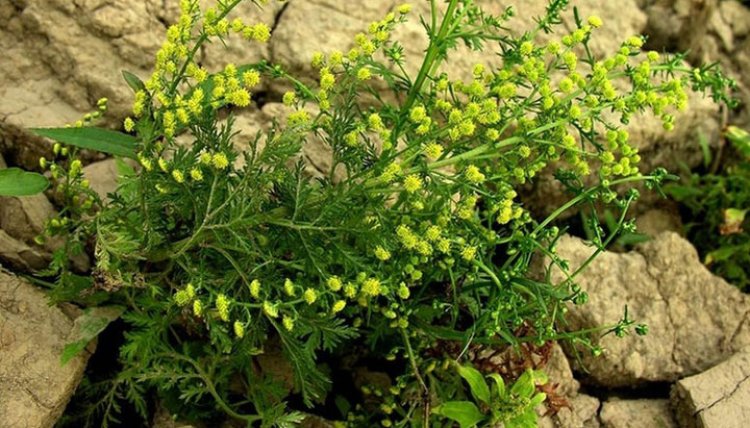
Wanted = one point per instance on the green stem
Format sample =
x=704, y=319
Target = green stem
x=420, y=379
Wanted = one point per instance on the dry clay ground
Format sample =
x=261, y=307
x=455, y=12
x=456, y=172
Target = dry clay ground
x=693, y=369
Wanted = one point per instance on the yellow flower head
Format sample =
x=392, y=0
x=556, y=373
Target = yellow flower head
x=220, y=161
x=196, y=174
x=270, y=309
x=178, y=176
x=289, y=98
x=364, y=74
x=255, y=288
x=350, y=290
x=338, y=306
x=595, y=21
x=468, y=253
x=128, y=124
x=239, y=329
x=382, y=254
x=261, y=32
x=198, y=308
x=334, y=283
x=289, y=288
x=412, y=183
x=473, y=174
x=433, y=151
x=310, y=296
x=222, y=306
x=288, y=323
x=371, y=287
x=251, y=78
x=404, y=8
x=163, y=165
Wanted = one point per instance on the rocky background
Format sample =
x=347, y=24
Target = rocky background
x=693, y=369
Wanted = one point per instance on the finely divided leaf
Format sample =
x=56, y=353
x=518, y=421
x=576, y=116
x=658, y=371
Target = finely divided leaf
x=99, y=139
x=17, y=182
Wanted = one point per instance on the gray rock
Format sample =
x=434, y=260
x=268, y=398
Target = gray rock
x=582, y=413
x=35, y=386
x=678, y=25
x=21, y=220
x=695, y=319
x=655, y=413
x=655, y=221
x=716, y=398
x=102, y=177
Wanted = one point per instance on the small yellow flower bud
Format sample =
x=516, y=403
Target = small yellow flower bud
x=338, y=306
x=239, y=329
x=198, y=308
x=255, y=288
x=220, y=161
x=288, y=323
x=310, y=296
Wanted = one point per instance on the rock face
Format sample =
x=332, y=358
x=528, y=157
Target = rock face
x=581, y=410
x=716, y=398
x=637, y=414
x=103, y=177
x=21, y=219
x=61, y=56
x=35, y=387
x=695, y=319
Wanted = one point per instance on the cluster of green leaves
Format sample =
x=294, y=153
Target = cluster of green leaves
x=494, y=403
x=414, y=236
x=716, y=205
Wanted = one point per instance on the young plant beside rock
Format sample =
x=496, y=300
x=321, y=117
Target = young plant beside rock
x=408, y=256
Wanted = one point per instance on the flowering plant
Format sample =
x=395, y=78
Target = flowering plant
x=411, y=251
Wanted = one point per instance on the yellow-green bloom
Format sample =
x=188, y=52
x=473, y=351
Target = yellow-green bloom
x=371, y=287
x=178, y=176
x=310, y=296
x=220, y=160
x=270, y=309
x=468, y=253
x=595, y=21
x=338, y=306
x=289, y=288
x=473, y=174
x=288, y=323
x=239, y=329
x=255, y=288
x=412, y=183
x=128, y=124
x=198, y=308
x=222, y=306
x=334, y=283
x=382, y=254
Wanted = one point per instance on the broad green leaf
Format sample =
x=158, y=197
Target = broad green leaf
x=477, y=384
x=135, y=83
x=17, y=182
x=538, y=399
x=99, y=139
x=464, y=412
x=500, y=384
x=87, y=327
x=524, y=386
x=722, y=254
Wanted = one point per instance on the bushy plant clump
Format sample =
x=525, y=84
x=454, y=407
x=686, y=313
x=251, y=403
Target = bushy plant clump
x=716, y=205
x=412, y=245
